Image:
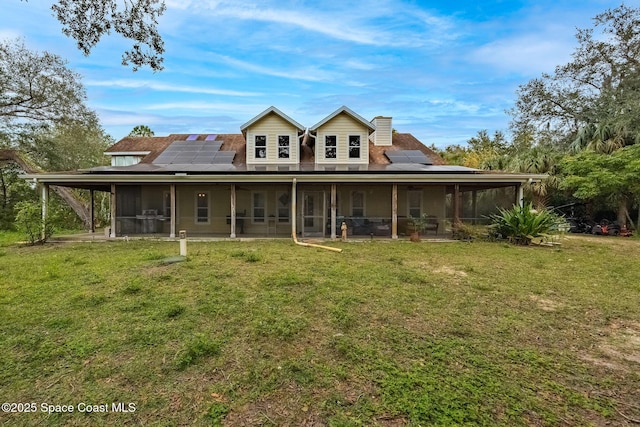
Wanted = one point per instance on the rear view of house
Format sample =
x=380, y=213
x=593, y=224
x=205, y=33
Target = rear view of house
x=278, y=178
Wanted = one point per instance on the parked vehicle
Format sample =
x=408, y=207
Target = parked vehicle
x=606, y=228
x=577, y=223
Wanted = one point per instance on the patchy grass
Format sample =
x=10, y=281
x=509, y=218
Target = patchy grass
x=270, y=333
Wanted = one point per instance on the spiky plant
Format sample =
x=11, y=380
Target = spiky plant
x=522, y=224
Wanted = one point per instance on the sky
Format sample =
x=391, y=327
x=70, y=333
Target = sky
x=443, y=70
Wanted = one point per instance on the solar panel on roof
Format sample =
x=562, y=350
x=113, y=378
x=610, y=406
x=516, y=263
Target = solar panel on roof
x=211, y=137
x=192, y=152
x=192, y=137
x=408, y=157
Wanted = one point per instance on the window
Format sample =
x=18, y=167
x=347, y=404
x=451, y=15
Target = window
x=202, y=207
x=330, y=146
x=357, y=204
x=283, y=147
x=354, y=146
x=414, y=201
x=284, y=207
x=259, y=206
x=261, y=146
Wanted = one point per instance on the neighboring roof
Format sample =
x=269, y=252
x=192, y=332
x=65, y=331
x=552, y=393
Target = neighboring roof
x=402, y=141
x=348, y=111
x=268, y=111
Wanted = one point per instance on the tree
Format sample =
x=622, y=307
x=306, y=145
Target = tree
x=87, y=21
x=44, y=123
x=599, y=88
x=141, y=130
x=590, y=103
x=613, y=178
x=36, y=87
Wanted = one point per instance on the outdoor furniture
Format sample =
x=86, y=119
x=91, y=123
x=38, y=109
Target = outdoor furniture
x=432, y=223
x=239, y=221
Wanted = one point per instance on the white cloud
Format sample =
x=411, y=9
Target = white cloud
x=389, y=24
x=313, y=74
x=526, y=54
x=9, y=34
x=247, y=110
x=142, y=84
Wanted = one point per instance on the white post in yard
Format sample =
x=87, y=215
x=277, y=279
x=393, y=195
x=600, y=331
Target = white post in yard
x=183, y=243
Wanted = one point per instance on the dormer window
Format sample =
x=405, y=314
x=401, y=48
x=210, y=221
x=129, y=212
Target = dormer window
x=261, y=146
x=354, y=146
x=330, y=146
x=283, y=147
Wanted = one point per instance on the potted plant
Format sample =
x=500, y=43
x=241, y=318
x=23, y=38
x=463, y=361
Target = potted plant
x=417, y=225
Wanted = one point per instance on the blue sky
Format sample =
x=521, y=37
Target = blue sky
x=443, y=70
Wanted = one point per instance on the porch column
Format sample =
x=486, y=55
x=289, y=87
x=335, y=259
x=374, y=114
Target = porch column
x=456, y=203
x=113, y=211
x=45, y=205
x=172, y=198
x=92, y=213
x=333, y=210
x=394, y=211
x=294, y=208
x=233, y=211
x=474, y=205
x=519, y=195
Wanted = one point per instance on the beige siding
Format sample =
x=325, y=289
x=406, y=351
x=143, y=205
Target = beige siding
x=219, y=208
x=342, y=126
x=383, y=134
x=377, y=200
x=273, y=126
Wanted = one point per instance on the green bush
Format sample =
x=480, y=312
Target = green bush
x=522, y=224
x=29, y=221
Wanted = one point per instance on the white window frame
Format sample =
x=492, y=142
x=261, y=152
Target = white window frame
x=363, y=207
x=335, y=147
x=196, y=215
x=288, y=156
x=257, y=147
x=409, y=207
x=359, y=146
x=258, y=219
x=281, y=208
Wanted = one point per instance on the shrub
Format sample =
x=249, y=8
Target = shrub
x=521, y=224
x=29, y=221
x=469, y=232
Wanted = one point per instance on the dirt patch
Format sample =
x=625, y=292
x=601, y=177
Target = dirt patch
x=619, y=345
x=450, y=271
x=546, y=304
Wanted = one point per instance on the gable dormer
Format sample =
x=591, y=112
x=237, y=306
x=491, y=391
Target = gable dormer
x=272, y=138
x=342, y=137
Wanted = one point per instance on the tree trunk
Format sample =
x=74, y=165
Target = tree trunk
x=623, y=211
x=78, y=207
x=4, y=189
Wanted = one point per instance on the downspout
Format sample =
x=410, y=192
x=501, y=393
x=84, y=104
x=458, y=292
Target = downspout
x=294, y=213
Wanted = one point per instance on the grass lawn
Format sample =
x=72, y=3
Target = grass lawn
x=269, y=333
